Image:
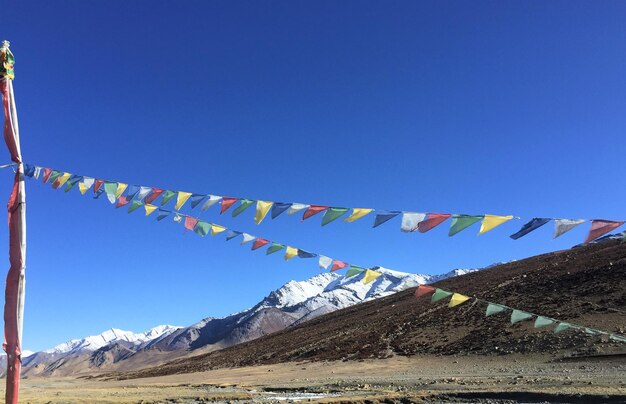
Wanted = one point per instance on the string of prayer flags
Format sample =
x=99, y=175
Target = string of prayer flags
x=534, y=224
x=333, y=214
x=243, y=205
x=411, y=221
x=601, y=227
x=313, y=210
x=357, y=213
x=439, y=294
x=431, y=221
x=370, y=276
x=562, y=226
x=457, y=299
x=490, y=222
x=290, y=253
x=518, y=315
x=262, y=209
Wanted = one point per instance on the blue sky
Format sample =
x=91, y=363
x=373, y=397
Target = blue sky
x=482, y=107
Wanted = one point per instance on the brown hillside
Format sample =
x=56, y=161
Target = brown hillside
x=585, y=285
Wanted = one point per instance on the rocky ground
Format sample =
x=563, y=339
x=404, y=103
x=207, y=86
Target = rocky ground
x=515, y=378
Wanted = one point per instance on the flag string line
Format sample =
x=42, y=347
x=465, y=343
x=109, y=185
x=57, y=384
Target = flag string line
x=411, y=221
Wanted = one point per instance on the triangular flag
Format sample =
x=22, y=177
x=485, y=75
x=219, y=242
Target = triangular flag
x=592, y=331
x=82, y=188
x=354, y=270
x=433, y=219
x=410, y=221
x=196, y=199
x=462, y=222
x=324, y=262
x=244, y=204
x=98, y=193
x=278, y=208
x=72, y=182
x=313, y=210
x=156, y=192
x=617, y=338
x=306, y=254
x=131, y=191
x=231, y=234
x=457, y=299
x=530, y=226
x=262, y=208
x=47, y=172
x=143, y=192
x=190, y=222
x=296, y=207
x=357, y=213
x=490, y=222
x=562, y=327
x=370, y=276
x=383, y=217
x=55, y=174
x=110, y=188
x=227, y=202
x=37, y=172
x=61, y=180
x=601, y=227
x=273, y=248
x=88, y=182
x=493, y=308
x=562, y=226
x=212, y=200
x=134, y=205
x=163, y=213
x=217, y=229
x=423, y=290
x=29, y=170
x=97, y=185
x=203, y=228
x=333, y=214
x=149, y=208
x=121, y=187
x=247, y=238
x=121, y=201
x=290, y=252
x=337, y=265
x=167, y=196
x=518, y=315
x=178, y=217
x=181, y=198
x=258, y=243
x=439, y=294
x=541, y=321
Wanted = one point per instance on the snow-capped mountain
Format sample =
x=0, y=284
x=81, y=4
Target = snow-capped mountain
x=289, y=305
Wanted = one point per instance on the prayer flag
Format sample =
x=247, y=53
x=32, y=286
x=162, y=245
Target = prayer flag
x=541, y=321
x=203, y=228
x=61, y=180
x=244, y=204
x=462, y=222
x=562, y=226
x=37, y=172
x=231, y=234
x=290, y=252
x=258, y=243
x=227, y=202
x=457, y=299
x=167, y=196
x=530, y=226
x=273, y=248
x=110, y=188
x=212, y=200
x=97, y=185
x=131, y=191
x=354, y=270
x=518, y=315
x=262, y=208
x=156, y=192
x=181, y=199
x=439, y=294
x=46, y=174
x=121, y=201
x=370, y=276
x=247, y=238
x=196, y=199
x=72, y=182
x=163, y=213
x=337, y=265
x=134, y=205
x=82, y=188
x=217, y=229
x=278, y=208
x=423, y=290
x=296, y=207
x=190, y=222
x=149, y=208
x=333, y=214
x=411, y=221
x=562, y=327
x=490, y=222
x=383, y=217
x=143, y=192
x=178, y=217
x=313, y=210
x=55, y=174
x=357, y=213
x=433, y=220
x=601, y=227
x=324, y=262
x=121, y=187
x=306, y=254
x=493, y=308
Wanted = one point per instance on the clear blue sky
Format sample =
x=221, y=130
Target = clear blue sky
x=482, y=107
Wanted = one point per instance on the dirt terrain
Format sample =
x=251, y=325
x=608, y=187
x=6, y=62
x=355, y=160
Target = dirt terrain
x=398, y=379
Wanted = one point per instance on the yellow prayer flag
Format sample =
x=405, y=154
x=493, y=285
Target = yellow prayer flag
x=82, y=188
x=491, y=221
x=290, y=252
x=262, y=208
x=149, y=208
x=63, y=179
x=457, y=299
x=370, y=276
x=357, y=213
x=181, y=199
x=217, y=229
x=121, y=187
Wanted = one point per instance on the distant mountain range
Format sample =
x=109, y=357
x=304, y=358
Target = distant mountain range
x=293, y=303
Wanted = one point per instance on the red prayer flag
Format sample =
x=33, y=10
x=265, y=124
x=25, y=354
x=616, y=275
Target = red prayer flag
x=423, y=290
x=97, y=185
x=190, y=222
x=337, y=265
x=46, y=174
x=601, y=227
x=156, y=192
x=227, y=202
x=57, y=183
x=432, y=220
x=313, y=210
x=259, y=242
x=121, y=201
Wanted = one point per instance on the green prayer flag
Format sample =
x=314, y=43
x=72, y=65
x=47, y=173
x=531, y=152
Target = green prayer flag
x=202, y=228
x=543, y=322
x=55, y=174
x=518, y=315
x=167, y=196
x=439, y=294
x=245, y=204
x=461, y=222
x=493, y=308
x=354, y=270
x=134, y=205
x=617, y=338
x=110, y=188
x=591, y=331
x=562, y=327
x=273, y=248
x=333, y=214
